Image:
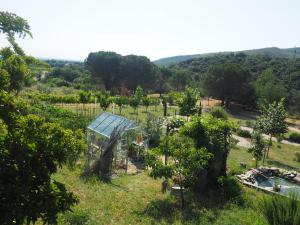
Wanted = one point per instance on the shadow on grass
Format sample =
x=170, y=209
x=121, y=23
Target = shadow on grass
x=276, y=163
x=95, y=179
x=169, y=210
x=204, y=208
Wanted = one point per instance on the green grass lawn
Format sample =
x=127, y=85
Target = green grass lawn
x=137, y=199
x=281, y=155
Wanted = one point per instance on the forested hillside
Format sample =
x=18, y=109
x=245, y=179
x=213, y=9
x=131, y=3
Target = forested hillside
x=273, y=52
x=271, y=78
x=239, y=78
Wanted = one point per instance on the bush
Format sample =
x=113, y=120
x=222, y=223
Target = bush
x=230, y=188
x=219, y=112
x=294, y=137
x=243, y=133
x=77, y=217
x=297, y=156
x=279, y=210
x=249, y=123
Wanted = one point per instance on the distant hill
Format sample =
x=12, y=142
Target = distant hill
x=272, y=52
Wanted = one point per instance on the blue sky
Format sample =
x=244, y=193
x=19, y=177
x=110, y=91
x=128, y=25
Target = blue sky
x=70, y=29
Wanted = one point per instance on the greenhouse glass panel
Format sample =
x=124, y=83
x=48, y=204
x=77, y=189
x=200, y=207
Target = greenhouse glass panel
x=107, y=122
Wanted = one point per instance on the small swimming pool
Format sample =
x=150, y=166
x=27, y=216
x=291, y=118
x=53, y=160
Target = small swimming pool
x=287, y=187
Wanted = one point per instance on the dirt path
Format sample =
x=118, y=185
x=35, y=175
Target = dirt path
x=267, y=136
x=242, y=142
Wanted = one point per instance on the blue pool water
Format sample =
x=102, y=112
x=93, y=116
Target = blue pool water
x=287, y=187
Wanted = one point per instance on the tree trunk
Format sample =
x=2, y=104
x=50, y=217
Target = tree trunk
x=222, y=102
x=266, y=152
x=269, y=145
x=181, y=192
x=182, y=198
x=227, y=103
x=165, y=109
x=102, y=165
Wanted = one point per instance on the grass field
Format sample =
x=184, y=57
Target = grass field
x=137, y=199
x=93, y=110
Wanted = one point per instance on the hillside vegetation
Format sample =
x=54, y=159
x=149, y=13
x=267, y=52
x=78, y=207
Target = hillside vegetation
x=272, y=51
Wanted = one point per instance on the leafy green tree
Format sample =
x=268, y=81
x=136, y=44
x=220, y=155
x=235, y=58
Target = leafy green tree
x=187, y=104
x=70, y=75
x=268, y=88
x=186, y=163
x=155, y=102
x=153, y=128
x=173, y=97
x=134, y=103
x=4, y=80
x=63, y=117
x=180, y=79
x=104, y=67
x=294, y=102
x=198, y=154
x=11, y=25
x=116, y=71
x=219, y=112
x=104, y=101
x=135, y=71
x=163, y=76
x=165, y=105
x=146, y=102
x=214, y=135
x=272, y=122
x=228, y=82
x=18, y=70
x=29, y=155
x=31, y=149
x=121, y=101
x=85, y=96
x=258, y=146
x=138, y=93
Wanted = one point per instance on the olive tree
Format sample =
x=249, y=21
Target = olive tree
x=187, y=104
x=258, y=146
x=198, y=154
x=186, y=163
x=272, y=122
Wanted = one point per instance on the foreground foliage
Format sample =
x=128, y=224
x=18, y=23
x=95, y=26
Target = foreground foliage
x=31, y=149
x=281, y=210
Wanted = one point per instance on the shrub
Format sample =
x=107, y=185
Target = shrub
x=243, y=133
x=219, y=112
x=294, y=137
x=153, y=129
x=230, y=188
x=297, y=156
x=279, y=210
x=279, y=138
x=249, y=123
x=77, y=217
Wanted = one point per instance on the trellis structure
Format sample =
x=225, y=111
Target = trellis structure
x=132, y=137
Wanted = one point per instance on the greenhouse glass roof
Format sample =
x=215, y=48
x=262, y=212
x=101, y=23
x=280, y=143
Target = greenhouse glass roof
x=107, y=122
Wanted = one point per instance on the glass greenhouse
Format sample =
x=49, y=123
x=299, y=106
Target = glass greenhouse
x=130, y=146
